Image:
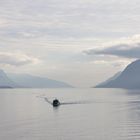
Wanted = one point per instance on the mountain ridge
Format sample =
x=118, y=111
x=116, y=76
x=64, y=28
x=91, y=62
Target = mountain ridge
x=128, y=79
x=31, y=81
x=8, y=80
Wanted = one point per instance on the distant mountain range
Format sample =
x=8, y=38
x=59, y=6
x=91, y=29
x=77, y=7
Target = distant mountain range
x=128, y=79
x=28, y=81
x=5, y=81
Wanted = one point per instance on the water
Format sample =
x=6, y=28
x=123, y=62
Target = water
x=89, y=114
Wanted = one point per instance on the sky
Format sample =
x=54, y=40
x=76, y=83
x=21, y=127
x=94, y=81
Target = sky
x=81, y=42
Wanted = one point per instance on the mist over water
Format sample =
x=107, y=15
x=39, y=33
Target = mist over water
x=85, y=114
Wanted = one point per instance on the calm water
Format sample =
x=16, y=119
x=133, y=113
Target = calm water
x=96, y=114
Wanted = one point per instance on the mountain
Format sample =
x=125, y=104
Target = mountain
x=30, y=81
x=128, y=79
x=109, y=80
x=5, y=81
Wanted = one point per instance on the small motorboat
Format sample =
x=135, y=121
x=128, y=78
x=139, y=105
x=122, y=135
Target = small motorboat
x=56, y=103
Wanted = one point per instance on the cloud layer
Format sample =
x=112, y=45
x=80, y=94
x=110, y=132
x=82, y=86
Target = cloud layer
x=129, y=48
x=57, y=31
x=69, y=19
x=16, y=59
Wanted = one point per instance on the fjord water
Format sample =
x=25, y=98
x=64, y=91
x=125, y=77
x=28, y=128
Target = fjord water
x=90, y=114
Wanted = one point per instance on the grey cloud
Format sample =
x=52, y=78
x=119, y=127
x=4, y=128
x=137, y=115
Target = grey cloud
x=16, y=59
x=120, y=50
x=63, y=18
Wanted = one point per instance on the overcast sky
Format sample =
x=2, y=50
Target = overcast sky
x=81, y=42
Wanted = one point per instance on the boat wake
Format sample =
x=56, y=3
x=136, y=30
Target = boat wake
x=50, y=101
x=69, y=103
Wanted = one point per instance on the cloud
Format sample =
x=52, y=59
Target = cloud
x=61, y=26
x=16, y=59
x=68, y=19
x=128, y=48
x=113, y=62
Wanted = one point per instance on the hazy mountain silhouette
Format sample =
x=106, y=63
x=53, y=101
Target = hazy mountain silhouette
x=128, y=79
x=110, y=79
x=5, y=81
x=30, y=81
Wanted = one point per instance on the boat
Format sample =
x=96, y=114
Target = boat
x=56, y=103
